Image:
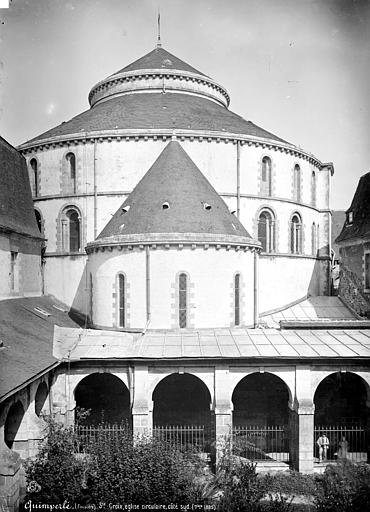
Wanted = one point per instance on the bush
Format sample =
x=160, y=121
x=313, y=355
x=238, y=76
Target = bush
x=344, y=487
x=56, y=474
x=291, y=483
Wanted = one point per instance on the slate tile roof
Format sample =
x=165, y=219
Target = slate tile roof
x=173, y=181
x=156, y=111
x=159, y=58
x=16, y=206
x=27, y=338
x=360, y=206
x=214, y=343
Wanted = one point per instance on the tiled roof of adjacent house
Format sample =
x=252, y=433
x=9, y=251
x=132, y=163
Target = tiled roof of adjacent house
x=16, y=206
x=173, y=197
x=159, y=58
x=156, y=111
x=26, y=338
x=360, y=208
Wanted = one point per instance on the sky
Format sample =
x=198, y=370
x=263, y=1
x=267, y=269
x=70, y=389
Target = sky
x=297, y=68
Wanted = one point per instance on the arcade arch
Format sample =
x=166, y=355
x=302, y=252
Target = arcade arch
x=12, y=423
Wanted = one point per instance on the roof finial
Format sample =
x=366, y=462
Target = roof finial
x=159, y=44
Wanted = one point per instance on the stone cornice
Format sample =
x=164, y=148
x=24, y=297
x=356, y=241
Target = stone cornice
x=166, y=134
x=174, y=240
x=162, y=73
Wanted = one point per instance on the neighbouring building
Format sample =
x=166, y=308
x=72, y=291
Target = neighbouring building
x=354, y=251
x=187, y=269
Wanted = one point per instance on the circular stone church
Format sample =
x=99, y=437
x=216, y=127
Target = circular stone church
x=238, y=201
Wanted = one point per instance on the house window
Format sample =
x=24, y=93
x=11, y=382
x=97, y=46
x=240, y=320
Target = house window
x=183, y=309
x=38, y=220
x=71, y=172
x=266, y=231
x=313, y=239
x=34, y=177
x=266, y=176
x=71, y=230
x=296, y=234
x=237, y=299
x=297, y=183
x=349, y=217
x=121, y=300
x=367, y=270
x=313, y=188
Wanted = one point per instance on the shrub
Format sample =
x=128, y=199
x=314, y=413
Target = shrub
x=344, y=487
x=55, y=474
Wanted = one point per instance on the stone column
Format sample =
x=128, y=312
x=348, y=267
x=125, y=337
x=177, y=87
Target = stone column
x=223, y=410
x=10, y=463
x=141, y=414
x=63, y=402
x=304, y=409
x=34, y=426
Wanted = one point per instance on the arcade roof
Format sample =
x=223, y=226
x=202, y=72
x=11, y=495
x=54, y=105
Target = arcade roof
x=26, y=333
x=204, y=344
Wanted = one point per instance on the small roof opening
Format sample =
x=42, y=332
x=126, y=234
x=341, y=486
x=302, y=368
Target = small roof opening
x=165, y=205
x=121, y=227
x=126, y=208
x=207, y=206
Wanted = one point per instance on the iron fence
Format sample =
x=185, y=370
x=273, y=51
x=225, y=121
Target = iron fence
x=87, y=434
x=349, y=442
x=262, y=443
x=183, y=437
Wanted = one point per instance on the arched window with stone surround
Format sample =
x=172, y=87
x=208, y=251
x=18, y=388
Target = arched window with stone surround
x=313, y=188
x=266, y=176
x=121, y=303
x=266, y=230
x=71, y=229
x=296, y=234
x=183, y=299
x=35, y=177
x=297, y=183
x=237, y=299
x=71, y=172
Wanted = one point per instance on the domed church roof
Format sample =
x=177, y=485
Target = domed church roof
x=159, y=58
x=156, y=92
x=174, y=197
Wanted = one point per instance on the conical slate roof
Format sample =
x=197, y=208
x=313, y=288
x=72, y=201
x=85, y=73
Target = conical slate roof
x=159, y=58
x=173, y=197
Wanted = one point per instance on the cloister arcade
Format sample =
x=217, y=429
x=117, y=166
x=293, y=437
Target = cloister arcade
x=220, y=398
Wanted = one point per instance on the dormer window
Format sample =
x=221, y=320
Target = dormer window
x=349, y=218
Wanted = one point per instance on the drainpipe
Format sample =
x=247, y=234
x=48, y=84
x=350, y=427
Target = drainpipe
x=238, y=179
x=95, y=195
x=147, y=268
x=255, y=290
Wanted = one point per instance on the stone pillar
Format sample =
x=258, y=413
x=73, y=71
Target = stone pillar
x=10, y=463
x=223, y=410
x=63, y=402
x=34, y=426
x=304, y=408
x=141, y=415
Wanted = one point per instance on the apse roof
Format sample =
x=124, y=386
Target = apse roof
x=157, y=111
x=16, y=206
x=360, y=207
x=159, y=58
x=173, y=197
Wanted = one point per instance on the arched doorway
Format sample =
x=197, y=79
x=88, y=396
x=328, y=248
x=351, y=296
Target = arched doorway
x=261, y=417
x=106, y=397
x=40, y=398
x=12, y=424
x=341, y=415
x=181, y=412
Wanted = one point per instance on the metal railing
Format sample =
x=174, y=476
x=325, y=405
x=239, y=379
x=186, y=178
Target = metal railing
x=257, y=443
x=183, y=437
x=87, y=434
x=349, y=442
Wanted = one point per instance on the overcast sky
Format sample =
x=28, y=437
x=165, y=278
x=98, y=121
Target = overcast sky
x=298, y=68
